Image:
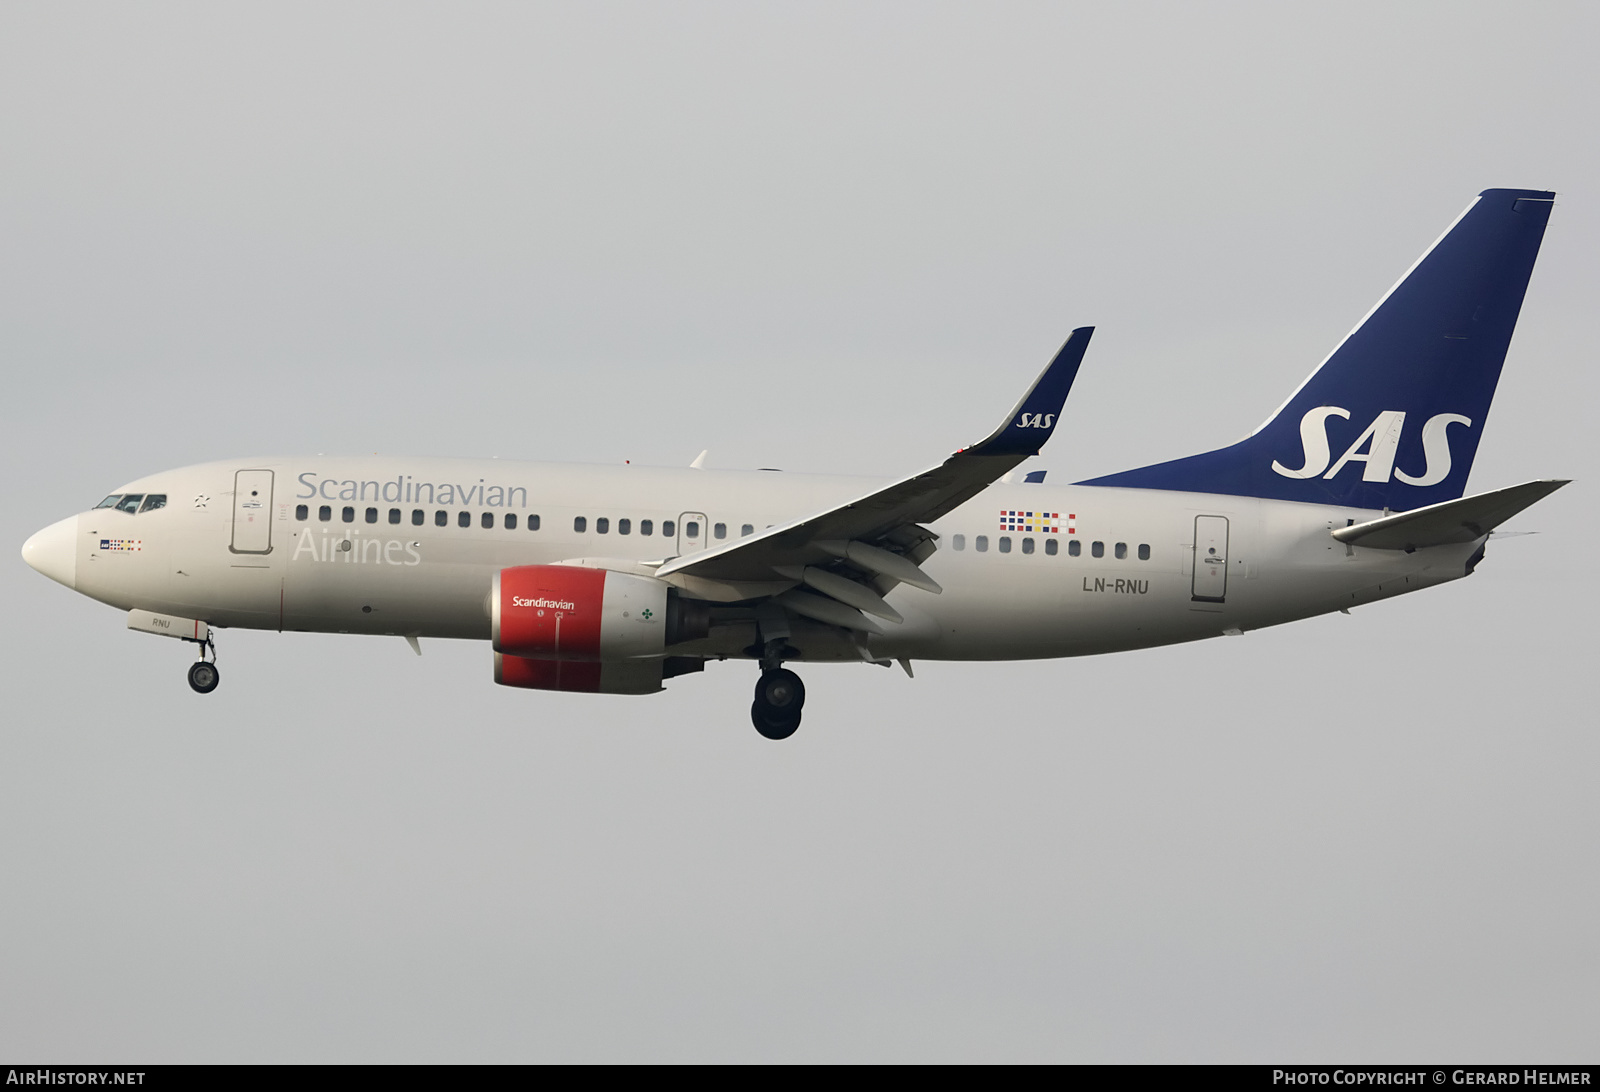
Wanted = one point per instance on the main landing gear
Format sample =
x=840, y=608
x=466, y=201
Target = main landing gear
x=779, y=696
x=203, y=676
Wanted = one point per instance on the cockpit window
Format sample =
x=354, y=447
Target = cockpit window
x=153, y=501
x=130, y=503
x=110, y=502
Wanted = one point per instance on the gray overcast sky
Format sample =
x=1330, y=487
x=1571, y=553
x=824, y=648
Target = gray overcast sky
x=832, y=237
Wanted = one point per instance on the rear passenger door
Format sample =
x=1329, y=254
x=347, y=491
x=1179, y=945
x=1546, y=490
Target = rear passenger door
x=1210, y=559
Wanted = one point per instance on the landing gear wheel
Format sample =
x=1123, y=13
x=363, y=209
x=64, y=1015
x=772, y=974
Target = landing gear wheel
x=772, y=726
x=203, y=677
x=780, y=690
x=779, y=696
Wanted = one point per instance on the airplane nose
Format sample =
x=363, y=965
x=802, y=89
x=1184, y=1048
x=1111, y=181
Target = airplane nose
x=54, y=551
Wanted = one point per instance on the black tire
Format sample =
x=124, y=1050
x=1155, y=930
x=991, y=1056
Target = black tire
x=203, y=677
x=780, y=691
x=774, y=725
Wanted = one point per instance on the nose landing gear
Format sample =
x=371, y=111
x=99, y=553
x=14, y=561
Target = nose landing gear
x=203, y=677
x=779, y=697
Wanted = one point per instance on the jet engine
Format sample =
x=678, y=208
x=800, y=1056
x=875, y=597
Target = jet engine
x=573, y=613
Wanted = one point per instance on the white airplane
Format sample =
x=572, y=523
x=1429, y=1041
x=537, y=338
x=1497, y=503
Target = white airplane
x=611, y=580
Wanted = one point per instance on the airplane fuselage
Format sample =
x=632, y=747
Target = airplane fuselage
x=410, y=547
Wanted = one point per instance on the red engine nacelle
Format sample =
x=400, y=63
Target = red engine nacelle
x=579, y=676
x=642, y=676
x=567, y=612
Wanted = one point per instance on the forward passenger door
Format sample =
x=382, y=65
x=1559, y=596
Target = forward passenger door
x=252, y=512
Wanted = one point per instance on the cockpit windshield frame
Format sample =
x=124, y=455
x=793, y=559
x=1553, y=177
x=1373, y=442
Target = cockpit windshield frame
x=133, y=503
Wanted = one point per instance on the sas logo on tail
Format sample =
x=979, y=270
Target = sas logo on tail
x=1381, y=441
x=1035, y=420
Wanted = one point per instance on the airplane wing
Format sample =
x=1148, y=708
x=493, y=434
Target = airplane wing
x=854, y=553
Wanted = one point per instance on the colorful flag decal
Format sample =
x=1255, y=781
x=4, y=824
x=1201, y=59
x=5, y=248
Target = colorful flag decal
x=1044, y=523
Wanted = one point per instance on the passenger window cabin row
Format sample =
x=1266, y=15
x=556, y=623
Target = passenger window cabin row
x=623, y=526
x=1052, y=546
x=603, y=525
x=691, y=528
x=441, y=518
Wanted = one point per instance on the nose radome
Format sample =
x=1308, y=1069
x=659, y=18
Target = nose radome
x=54, y=551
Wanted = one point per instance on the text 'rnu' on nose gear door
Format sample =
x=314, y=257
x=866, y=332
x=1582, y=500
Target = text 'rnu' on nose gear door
x=1210, y=559
x=252, y=512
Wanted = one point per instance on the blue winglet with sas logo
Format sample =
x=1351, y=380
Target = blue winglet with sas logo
x=1034, y=418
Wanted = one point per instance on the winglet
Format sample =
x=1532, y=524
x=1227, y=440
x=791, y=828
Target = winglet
x=1034, y=418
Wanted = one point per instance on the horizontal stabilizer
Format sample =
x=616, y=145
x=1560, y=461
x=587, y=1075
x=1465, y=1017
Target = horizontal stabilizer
x=1450, y=522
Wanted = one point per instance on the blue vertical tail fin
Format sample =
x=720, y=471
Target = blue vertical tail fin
x=1392, y=418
